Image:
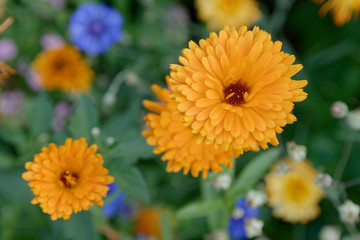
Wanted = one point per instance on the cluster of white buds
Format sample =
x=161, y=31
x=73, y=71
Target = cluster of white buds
x=222, y=182
x=330, y=232
x=296, y=152
x=339, y=109
x=253, y=227
x=353, y=119
x=349, y=212
x=323, y=180
x=255, y=198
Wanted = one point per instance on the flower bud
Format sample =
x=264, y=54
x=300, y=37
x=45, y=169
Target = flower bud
x=256, y=198
x=330, y=232
x=296, y=152
x=349, y=212
x=253, y=227
x=339, y=109
x=353, y=119
x=110, y=141
x=323, y=180
x=95, y=131
x=222, y=182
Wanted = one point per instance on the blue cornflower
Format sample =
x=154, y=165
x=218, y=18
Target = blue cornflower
x=95, y=27
x=242, y=212
x=117, y=206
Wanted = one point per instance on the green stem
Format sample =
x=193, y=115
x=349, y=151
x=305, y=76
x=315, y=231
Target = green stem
x=345, y=156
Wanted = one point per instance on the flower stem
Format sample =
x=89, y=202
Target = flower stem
x=345, y=156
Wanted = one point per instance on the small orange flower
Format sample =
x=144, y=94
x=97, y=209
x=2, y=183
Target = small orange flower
x=294, y=195
x=220, y=13
x=68, y=178
x=63, y=69
x=342, y=10
x=177, y=142
x=148, y=222
x=5, y=70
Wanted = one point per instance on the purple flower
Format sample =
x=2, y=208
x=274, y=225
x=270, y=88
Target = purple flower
x=63, y=109
x=11, y=102
x=60, y=4
x=95, y=27
x=8, y=49
x=51, y=40
x=242, y=212
x=117, y=206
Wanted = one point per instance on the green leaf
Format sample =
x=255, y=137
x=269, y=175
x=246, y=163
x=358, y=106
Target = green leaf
x=79, y=227
x=130, y=180
x=200, y=209
x=131, y=149
x=41, y=115
x=12, y=186
x=85, y=118
x=253, y=172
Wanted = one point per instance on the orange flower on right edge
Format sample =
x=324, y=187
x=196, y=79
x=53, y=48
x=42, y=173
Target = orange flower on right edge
x=342, y=10
x=294, y=195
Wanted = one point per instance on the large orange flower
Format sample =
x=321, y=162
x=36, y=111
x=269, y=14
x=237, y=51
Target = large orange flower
x=68, y=178
x=63, y=69
x=235, y=91
x=177, y=142
x=219, y=13
x=342, y=10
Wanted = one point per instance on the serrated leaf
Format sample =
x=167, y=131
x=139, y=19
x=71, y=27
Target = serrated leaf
x=79, y=227
x=200, y=209
x=130, y=180
x=41, y=115
x=253, y=172
x=84, y=118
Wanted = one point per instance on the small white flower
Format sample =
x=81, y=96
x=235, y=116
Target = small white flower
x=339, y=109
x=256, y=198
x=238, y=213
x=296, y=152
x=324, y=180
x=282, y=167
x=330, y=232
x=110, y=141
x=109, y=99
x=222, y=182
x=95, y=131
x=353, y=119
x=253, y=227
x=349, y=212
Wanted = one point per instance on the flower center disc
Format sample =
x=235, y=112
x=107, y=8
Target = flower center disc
x=69, y=179
x=234, y=94
x=297, y=190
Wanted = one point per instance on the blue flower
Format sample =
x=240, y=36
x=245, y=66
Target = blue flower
x=117, y=206
x=95, y=27
x=242, y=212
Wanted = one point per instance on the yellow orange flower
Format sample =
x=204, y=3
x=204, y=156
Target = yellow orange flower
x=177, y=142
x=294, y=195
x=63, y=69
x=68, y=178
x=219, y=13
x=234, y=90
x=148, y=222
x=342, y=10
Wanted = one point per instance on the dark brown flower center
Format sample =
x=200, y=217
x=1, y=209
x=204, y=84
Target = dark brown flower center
x=68, y=179
x=234, y=93
x=59, y=65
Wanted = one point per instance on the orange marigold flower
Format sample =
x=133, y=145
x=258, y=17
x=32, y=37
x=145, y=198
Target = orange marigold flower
x=148, y=222
x=63, y=69
x=219, y=13
x=177, y=142
x=235, y=90
x=294, y=195
x=342, y=10
x=5, y=72
x=68, y=178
